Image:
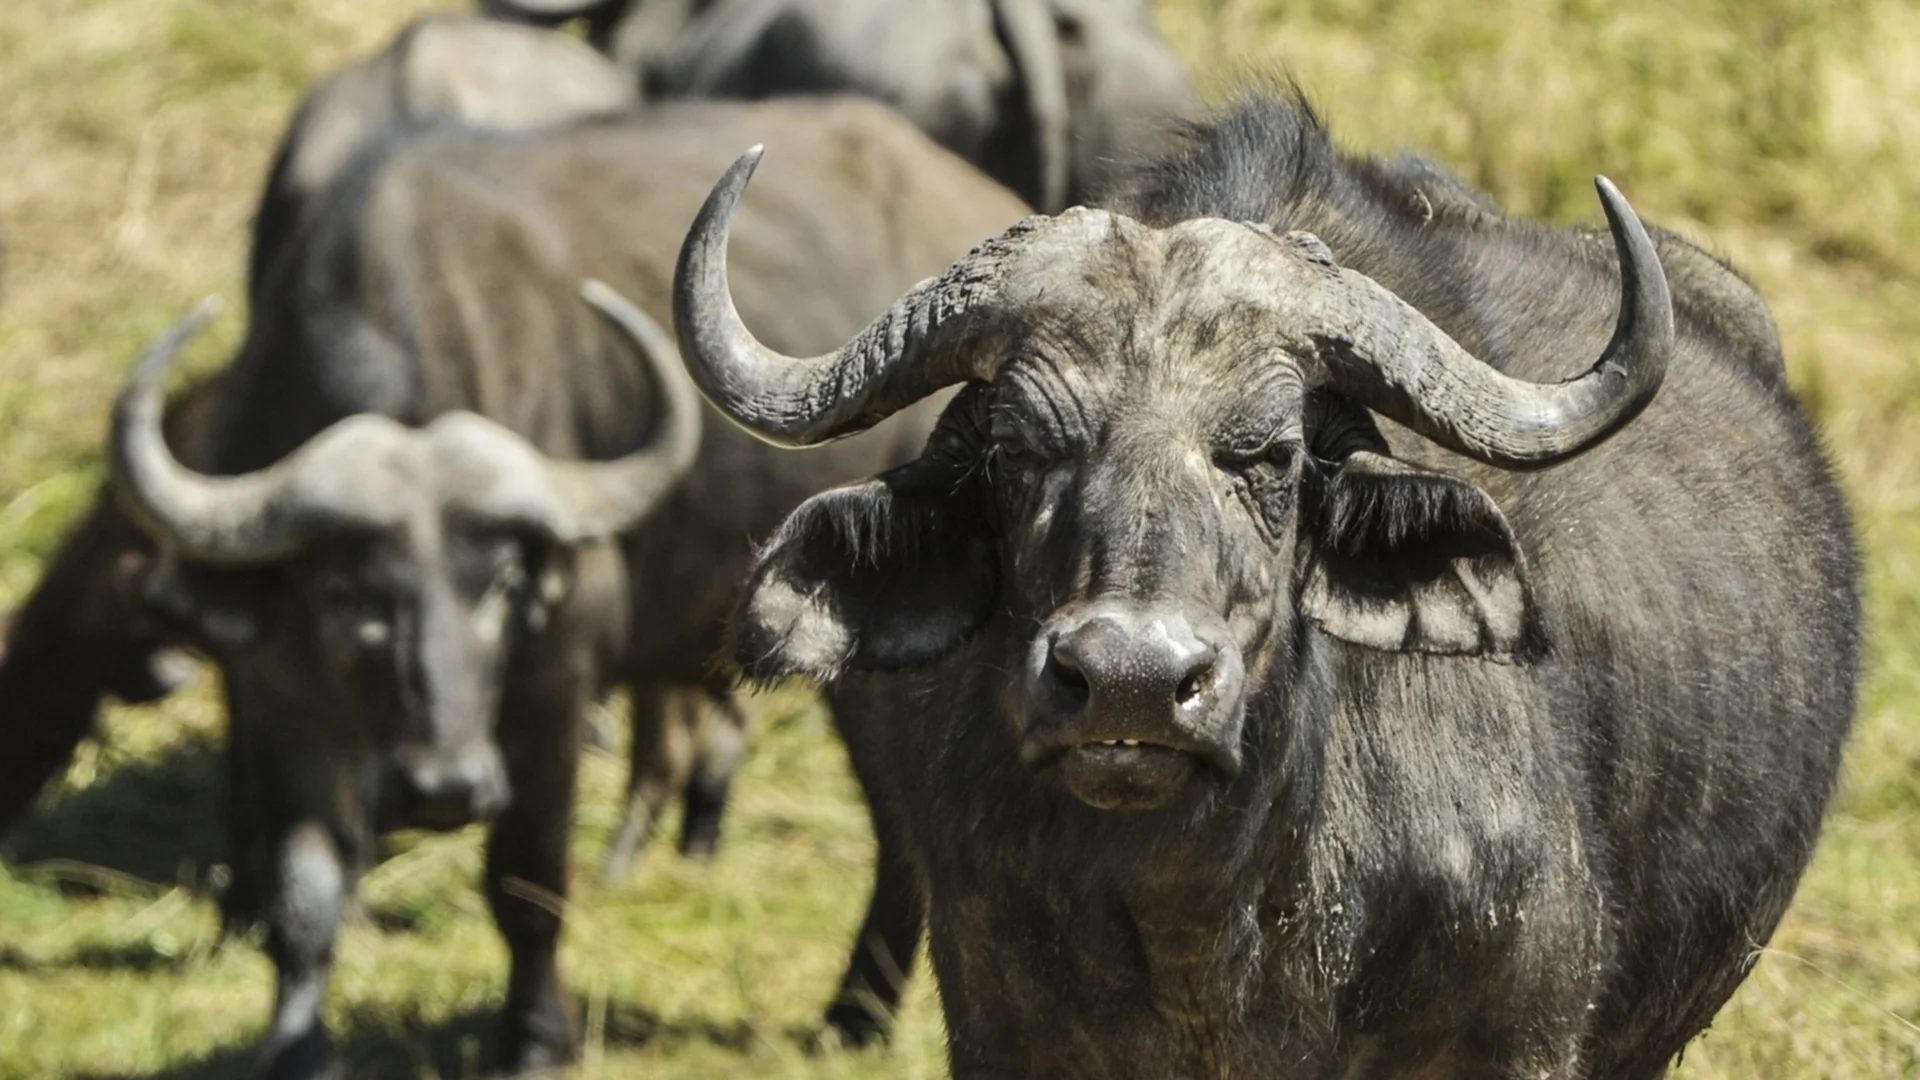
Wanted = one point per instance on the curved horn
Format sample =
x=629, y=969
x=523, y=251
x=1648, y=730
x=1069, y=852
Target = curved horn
x=257, y=517
x=1031, y=39
x=901, y=357
x=1387, y=356
x=605, y=498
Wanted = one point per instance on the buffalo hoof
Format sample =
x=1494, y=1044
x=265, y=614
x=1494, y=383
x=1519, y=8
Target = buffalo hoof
x=617, y=869
x=622, y=855
x=533, y=1060
x=854, y=1025
x=700, y=836
x=308, y=1056
x=706, y=808
x=531, y=1046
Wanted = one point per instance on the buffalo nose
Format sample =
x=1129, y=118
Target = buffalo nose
x=1145, y=670
x=448, y=788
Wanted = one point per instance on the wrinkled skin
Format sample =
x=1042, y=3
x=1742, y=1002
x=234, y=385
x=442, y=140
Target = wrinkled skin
x=965, y=71
x=1251, y=739
x=487, y=644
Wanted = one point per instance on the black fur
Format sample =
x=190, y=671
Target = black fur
x=1538, y=833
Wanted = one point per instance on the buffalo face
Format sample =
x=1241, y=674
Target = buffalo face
x=1164, y=462
x=391, y=575
x=413, y=631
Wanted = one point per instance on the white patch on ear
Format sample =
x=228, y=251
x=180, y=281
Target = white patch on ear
x=1476, y=608
x=1447, y=580
x=1500, y=597
x=798, y=630
x=1375, y=623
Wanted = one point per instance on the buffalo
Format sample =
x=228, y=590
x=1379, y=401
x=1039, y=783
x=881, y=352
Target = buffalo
x=1293, y=653
x=1054, y=98
x=86, y=631
x=440, y=503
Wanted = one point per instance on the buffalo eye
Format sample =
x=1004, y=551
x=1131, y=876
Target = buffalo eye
x=1265, y=480
x=1014, y=446
x=358, y=605
x=1278, y=456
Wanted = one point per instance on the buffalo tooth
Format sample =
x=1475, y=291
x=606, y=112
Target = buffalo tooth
x=1129, y=742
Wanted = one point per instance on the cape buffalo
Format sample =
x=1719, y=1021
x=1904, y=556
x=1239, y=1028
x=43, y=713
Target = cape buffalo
x=1054, y=98
x=438, y=504
x=85, y=631
x=1293, y=653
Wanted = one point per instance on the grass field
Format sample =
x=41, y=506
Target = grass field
x=133, y=134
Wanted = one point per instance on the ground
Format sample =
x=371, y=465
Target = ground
x=133, y=136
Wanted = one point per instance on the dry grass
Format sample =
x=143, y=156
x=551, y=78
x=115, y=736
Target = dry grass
x=134, y=132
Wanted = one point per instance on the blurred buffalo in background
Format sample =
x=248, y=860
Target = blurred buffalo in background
x=437, y=504
x=1054, y=98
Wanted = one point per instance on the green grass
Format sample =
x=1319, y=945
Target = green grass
x=133, y=136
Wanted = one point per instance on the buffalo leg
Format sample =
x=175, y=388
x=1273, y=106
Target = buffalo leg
x=302, y=917
x=527, y=883
x=883, y=953
x=719, y=725
x=293, y=865
x=876, y=974
x=658, y=764
x=249, y=852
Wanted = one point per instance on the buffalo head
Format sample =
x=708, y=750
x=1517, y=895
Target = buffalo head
x=408, y=564
x=1164, y=460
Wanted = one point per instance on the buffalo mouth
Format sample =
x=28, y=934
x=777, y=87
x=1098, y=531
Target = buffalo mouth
x=1128, y=773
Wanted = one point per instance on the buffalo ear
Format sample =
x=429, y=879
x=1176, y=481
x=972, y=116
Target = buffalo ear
x=1410, y=561
x=879, y=575
x=216, y=611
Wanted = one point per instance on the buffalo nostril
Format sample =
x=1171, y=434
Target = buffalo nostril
x=1197, y=680
x=1063, y=670
x=1190, y=687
